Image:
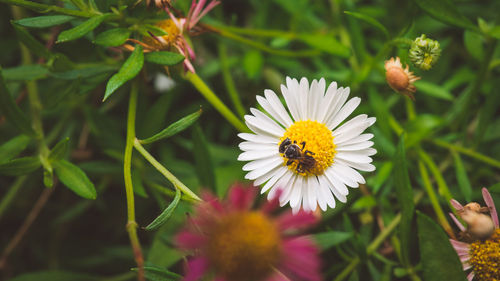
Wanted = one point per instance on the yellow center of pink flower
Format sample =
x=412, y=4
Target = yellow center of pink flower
x=485, y=258
x=317, y=139
x=244, y=246
x=167, y=40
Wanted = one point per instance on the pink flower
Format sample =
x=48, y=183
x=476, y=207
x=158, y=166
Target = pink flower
x=234, y=242
x=482, y=254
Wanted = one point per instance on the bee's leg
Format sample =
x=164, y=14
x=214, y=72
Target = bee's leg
x=308, y=152
x=299, y=168
x=303, y=144
x=289, y=162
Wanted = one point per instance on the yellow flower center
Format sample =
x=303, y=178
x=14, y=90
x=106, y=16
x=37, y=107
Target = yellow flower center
x=169, y=39
x=244, y=246
x=314, y=140
x=485, y=258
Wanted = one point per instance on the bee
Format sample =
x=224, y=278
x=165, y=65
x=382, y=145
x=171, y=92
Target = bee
x=293, y=152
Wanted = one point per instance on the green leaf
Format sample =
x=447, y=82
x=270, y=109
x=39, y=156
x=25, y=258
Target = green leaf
x=433, y=90
x=174, y=128
x=167, y=213
x=31, y=43
x=59, y=151
x=43, y=21
x=54, y=275
x=13, y=147
x=474, y=44
x=75, y=179
x=164, y=58
x=85, y=72
x=82, y=29
x=439, y=259
x=113, y=37
x=404, y=194
x=11, y=111
x=462, y=178
x=495, y=32
x=421, y=127
x=25, y=72
x=129, y=70
x=203, y=160
x=326, y=240
x=154, y=273
x=252, y=63
x=326, y=43
x=20, y=166
x=445, y=11
x=370, y=20
x=495, y=188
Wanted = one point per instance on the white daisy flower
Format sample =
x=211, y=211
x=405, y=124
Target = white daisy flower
x=303, y=151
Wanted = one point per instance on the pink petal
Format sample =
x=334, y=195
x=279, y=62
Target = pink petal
x=212, y=201
x=489, y=202
x=466, y=266
x=300, y=220
x=278, y=276
x=207, y=9
x=195, y=268
x=456, y=205
x=457, y=222
x=300, y=259
x=241, y=198
x=460, y=247
x=189, y=241
x=470, y=276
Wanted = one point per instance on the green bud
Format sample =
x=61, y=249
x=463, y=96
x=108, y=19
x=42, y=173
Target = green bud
x=424, y=52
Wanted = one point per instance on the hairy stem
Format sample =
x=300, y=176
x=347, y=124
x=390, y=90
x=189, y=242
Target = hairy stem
x=166, y=173
x=129, y=189
x=215, y=101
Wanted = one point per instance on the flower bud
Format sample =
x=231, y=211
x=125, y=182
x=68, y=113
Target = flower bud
x=478, y=224
x=400, y=79
x=424, y=52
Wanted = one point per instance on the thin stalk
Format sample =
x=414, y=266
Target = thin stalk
x=442, y=186
x=129, y=189
x=170, y=193
x=11, y=194
x=256, y=32
x=166, y=173
x=228, y=80
x=215, y=101
x=469, y=152
x=262, y=47
x=434, y=200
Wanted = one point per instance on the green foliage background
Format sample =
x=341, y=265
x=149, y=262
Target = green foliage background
x=444, y=145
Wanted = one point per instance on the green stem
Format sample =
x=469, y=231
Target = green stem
x=35, y=105
x=262, y=47
x=228, y=80
x=215, y=101
x=10, y=195
x=170, y=193
x=255, y=32
x=127, y=174
x=175, y=181
x=442, y=186
x=434, y=200
x=469, y=152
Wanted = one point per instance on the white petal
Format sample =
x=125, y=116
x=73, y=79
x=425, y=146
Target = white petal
x=359, y=166
x=264, y=169
x=313, y=96
x=350, y=173
x=354, y=147
x=339, y=187
x=258, y=138
x=318, y=97
x=297, y=191
x=352, y=128
x=326, y=102
x=248, y=146
x=353, y=157
x=325, y=190
x=288, y=184
x=346, y=110
x=339, y=100
x=259, y=163
x=279, y=174
x=319, y=195
x=312, y=186
x=254, y=155
x=276, y=104
x=267, y=120
x=289, y=93
x=340, y=174
x=358, y=139
x=303, y=98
